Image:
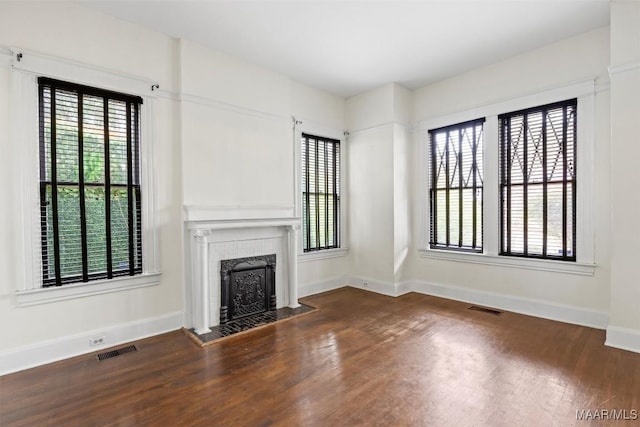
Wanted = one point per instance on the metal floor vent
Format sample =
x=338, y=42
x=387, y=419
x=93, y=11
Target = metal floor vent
x=116, y=352
x=486, y=310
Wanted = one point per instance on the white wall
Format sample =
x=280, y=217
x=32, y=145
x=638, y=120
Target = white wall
x=584, y=56
x=78, y=34
x=236, y=131
x=624, y=327
x=370, y=121
x=402, y=150
x=371, y=228
x=401, y=199
x=379, y=228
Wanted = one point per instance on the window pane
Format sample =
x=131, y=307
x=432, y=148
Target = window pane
x=320, y=192
x=66, y=136
x=517, y=219
x=69, y=230
x=47, y=241
x=119, y=229
x=538, y=181
x=96, y=230
x=467, y=217
x=456, y=186
x=535, y=218
x=118, y=142
x=90, y=213
x=554, y=214
x=93, y=141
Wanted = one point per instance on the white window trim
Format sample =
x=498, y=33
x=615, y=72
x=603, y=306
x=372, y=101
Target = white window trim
x=303, y=126
x=25, y=69
x=584, y=91
x=323, y=254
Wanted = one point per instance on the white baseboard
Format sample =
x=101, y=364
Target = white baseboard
x=321, y=286
x=623, y=338
x=368, y=284
x=75, y=345
x=532, y=307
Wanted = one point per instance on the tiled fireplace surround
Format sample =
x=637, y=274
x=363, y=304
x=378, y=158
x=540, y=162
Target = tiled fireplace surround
x=216, y=234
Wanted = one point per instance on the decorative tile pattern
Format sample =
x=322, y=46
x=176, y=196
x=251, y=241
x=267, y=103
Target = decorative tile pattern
x=249, y=322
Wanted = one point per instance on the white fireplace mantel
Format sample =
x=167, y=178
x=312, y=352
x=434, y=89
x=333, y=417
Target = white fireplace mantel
x=204, y=224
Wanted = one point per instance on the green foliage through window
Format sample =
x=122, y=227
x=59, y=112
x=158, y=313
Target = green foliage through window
x=320, y=193
x=456, y=186
x=89, y=183
x=538, y=181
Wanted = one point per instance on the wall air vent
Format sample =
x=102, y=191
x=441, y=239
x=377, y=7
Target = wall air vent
x=116, y=352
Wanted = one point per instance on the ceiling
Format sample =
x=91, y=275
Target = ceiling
x=348, y=47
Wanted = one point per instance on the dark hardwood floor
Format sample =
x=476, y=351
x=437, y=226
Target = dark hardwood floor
x=362, y=359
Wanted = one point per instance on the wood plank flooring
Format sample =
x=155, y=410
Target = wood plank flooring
x=361, y=359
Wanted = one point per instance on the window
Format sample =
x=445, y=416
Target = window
x=320, y=159
x=538, y=182
x=90, y=192
x=456, y=186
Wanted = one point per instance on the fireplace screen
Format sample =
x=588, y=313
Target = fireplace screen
x=248, y=286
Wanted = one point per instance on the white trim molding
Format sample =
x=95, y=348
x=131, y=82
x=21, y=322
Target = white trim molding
x=226, y=106
x=532, y=307
x=41, y=64
x=193, y=213
x=407, y=126
x=5, y=56
x=78, y=290
x=623, y=338
x=373, y=285
x=623, y=68
x=323, y=254
x=322, y=286
x=583, y=269
x=74, y=345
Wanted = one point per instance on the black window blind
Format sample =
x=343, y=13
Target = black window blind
x=90, y=195
x=538, y=181
x=456, y=186
x=320, y=193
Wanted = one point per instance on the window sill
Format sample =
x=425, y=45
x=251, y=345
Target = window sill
x=578, y=268
x=79, y=290
x=323, y=254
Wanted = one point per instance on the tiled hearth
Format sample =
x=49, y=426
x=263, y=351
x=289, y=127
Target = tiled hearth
x=244, y=324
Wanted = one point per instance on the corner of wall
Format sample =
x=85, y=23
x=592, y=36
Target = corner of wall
x=623, y=338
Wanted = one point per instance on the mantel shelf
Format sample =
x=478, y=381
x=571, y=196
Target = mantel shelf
x=242, y=223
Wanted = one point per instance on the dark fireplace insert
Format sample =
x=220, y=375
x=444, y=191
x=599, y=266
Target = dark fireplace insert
x=248, y=286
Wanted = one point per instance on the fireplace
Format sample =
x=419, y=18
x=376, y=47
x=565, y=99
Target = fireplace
x=220, y=234
x=247, y=286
